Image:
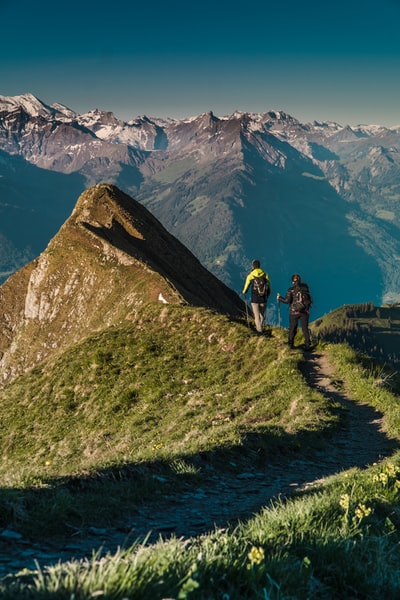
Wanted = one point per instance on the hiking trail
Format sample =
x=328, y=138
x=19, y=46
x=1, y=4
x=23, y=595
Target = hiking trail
x=224, y=498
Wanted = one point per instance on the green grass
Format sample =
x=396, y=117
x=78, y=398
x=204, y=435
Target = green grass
x=156, y=398
x=369, y=382
x=181, y=384
x=341, y=541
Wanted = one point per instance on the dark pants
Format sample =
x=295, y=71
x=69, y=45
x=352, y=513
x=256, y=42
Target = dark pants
x=294, y=318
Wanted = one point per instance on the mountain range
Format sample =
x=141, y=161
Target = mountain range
x=320, y=199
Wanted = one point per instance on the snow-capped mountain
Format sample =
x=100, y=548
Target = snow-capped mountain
x=27, y=102
x=311, y=197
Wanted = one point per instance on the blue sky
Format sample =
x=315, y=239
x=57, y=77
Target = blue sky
x=336, y=61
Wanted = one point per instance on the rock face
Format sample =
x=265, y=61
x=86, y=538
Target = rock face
x=109, y=258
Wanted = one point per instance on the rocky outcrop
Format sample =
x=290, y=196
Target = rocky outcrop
x=110, y=258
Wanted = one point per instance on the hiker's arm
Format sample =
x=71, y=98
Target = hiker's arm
x=247, y=283
x=287, y=299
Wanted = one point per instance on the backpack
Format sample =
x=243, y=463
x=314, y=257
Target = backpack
x=301, y=298
x=260, y=285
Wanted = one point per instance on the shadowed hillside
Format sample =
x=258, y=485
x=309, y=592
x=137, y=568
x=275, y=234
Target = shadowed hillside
x=371, y=330
x=34, y=203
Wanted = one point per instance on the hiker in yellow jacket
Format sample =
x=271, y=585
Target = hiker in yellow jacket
x=260, y=285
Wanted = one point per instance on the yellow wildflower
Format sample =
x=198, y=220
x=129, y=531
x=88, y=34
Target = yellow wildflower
x=362, y=511
x=383, y=478
x=256, y=555
x=391, y=470
x=344, y=502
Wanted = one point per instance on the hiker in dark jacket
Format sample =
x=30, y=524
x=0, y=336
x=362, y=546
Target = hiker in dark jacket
x=260, y=291
x=299, y=300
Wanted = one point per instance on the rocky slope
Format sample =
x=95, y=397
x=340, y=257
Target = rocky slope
x=109, y=258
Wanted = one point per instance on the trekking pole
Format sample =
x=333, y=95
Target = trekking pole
x=247, y=312
x=279, y=312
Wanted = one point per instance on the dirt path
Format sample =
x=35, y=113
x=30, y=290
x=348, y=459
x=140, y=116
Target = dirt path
x=225, y=499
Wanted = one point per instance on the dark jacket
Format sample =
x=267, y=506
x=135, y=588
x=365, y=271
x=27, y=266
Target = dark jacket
x=290, y=299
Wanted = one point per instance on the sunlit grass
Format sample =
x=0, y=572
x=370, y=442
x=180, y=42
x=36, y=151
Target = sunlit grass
x=339, y=541
x=148, y=399
x=137, y=402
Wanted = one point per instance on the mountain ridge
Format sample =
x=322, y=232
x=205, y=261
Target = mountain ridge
x=209, y=178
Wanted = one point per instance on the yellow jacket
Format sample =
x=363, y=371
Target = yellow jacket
x=250, y=277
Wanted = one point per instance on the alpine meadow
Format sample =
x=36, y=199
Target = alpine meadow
x=153, y=445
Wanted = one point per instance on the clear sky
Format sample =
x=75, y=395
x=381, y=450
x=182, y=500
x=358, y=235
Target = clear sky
x=337, y=61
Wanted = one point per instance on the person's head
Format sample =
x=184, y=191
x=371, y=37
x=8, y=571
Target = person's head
x=296, y=279
x=255, y=264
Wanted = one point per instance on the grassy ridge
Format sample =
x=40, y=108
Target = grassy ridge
x=132, y=397
x=179, y=384
x=180, y=381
